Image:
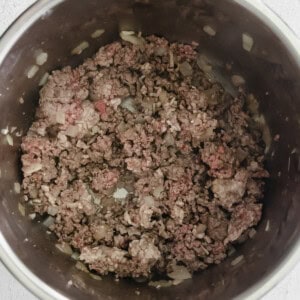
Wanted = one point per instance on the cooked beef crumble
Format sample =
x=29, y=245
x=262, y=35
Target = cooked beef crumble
x=143, y=162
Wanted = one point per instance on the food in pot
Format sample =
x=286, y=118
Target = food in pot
x=141, y=164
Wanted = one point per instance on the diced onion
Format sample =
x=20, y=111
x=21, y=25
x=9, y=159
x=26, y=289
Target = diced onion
x=185, y=69
x=247, y=42
x=80, y=48
x=161, y=283
x=266, y=134
x=64, y=248
x=44, y=79
x=252, y=104
x=180, y=273
x=204, y=63
x=201, y=228
x=294, y=151
x=21, y=209
x=231, y=251
x=140, y=279
x=131, y=37
x=237, y=260
x=120, y=193
x=19, y=133
x=160, y=51
x=72, y=131
x=32, y=71
x=75, y=255
x=97, y=201
x=100, y=232
x=52, y=211
x=267, y=228
x=171, y=63
x=97, y=33
x=127, y=32
x=252, y=233
x=115, y=102
x=32, y=216
x=209, y=30
x=10, y=140
x=201, y=236
x=81, y=267
x=60, y=117
x=200, y=233
x=49, y=221
x=69, y=283
x=5, y=131
x=204, y=249
x=17, y=187
x=78, y=282
x=149, y=200
x=237, y=80
x=127, y=218
x=94, y=276
x=13, y=129
x=128, y=104
x=33, y=168
x=158, y=191
x=41, y=58
x=177, y=281
x=45, y=188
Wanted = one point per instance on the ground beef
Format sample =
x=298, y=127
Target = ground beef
x=142, y=161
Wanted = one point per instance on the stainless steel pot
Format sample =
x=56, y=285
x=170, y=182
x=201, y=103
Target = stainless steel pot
x=272, y=71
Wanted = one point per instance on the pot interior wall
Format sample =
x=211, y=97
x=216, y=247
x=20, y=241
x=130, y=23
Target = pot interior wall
x=271, y=74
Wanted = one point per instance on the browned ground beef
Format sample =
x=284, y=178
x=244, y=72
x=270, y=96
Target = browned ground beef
x=143, y=162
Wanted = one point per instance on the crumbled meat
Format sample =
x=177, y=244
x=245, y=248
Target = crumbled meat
x=243, y=217
x=104, y=179
x=144, y=252
x=230, y=191
x=144, y=120
x=141, y=256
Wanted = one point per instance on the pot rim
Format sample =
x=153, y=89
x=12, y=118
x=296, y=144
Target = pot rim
x=16, y=266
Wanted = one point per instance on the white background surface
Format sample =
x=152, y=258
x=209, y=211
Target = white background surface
x=288, y=289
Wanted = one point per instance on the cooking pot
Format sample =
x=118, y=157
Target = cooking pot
x=242, y=34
